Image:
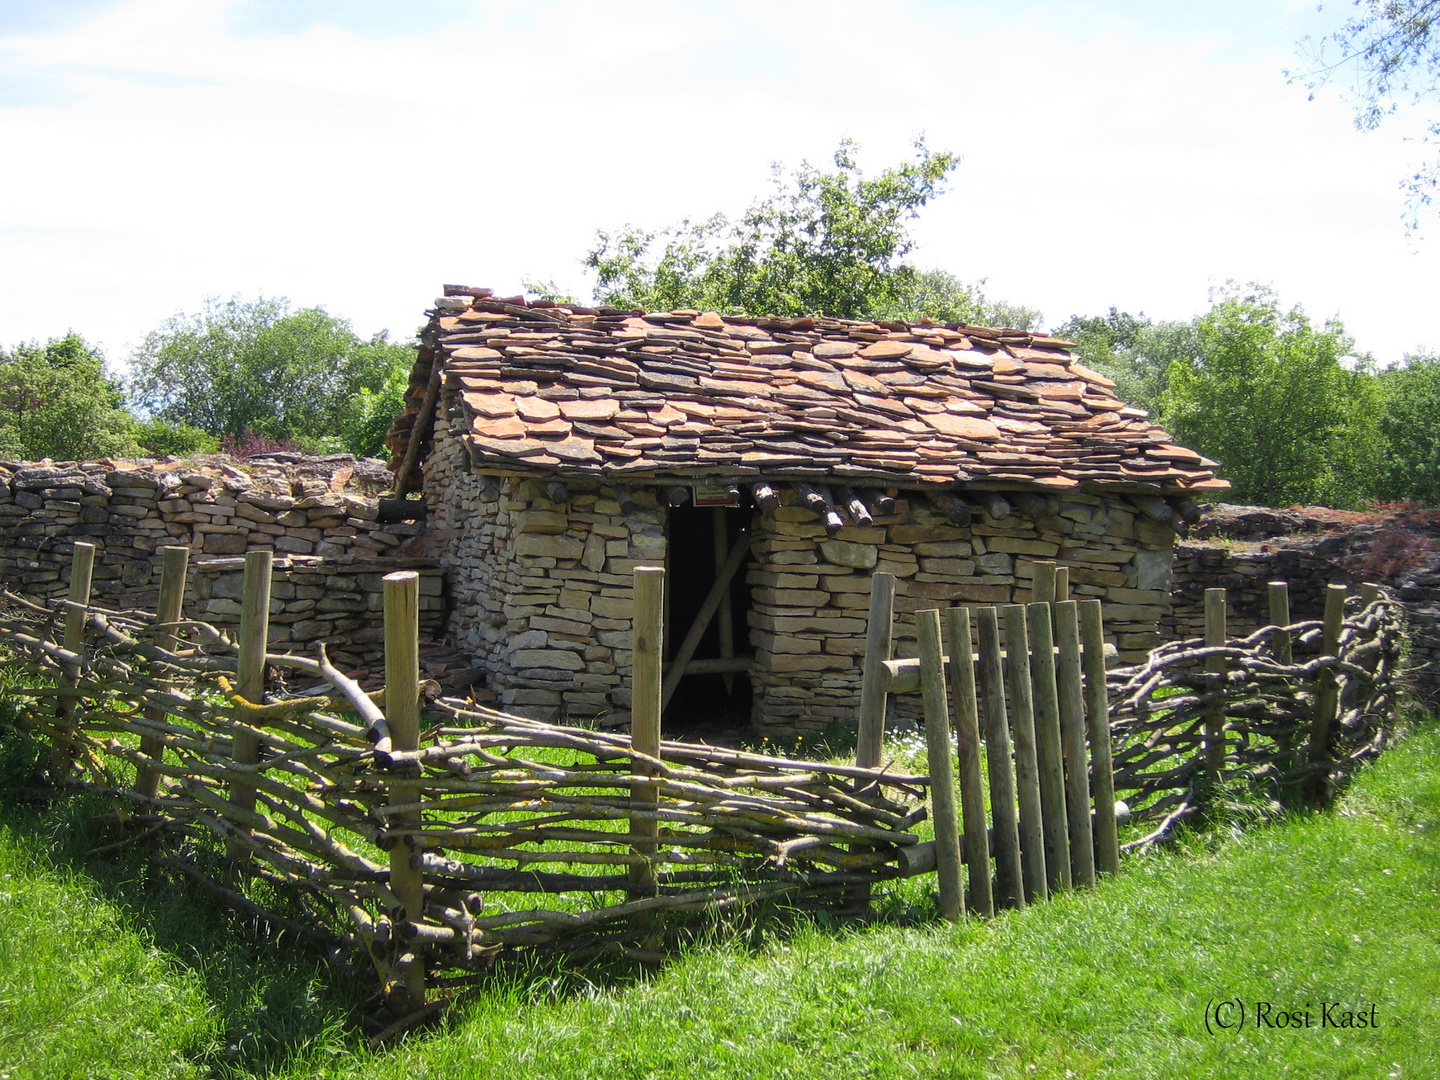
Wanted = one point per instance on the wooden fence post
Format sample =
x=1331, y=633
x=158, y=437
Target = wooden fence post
x=725, y=617
x=1327, y=686
x=77, y=604
x=1062, y=584
x=967, y=735
x=942, y=766
x=1097, y=715
x=175, y=562
x=1009, y=887
x=879, y=639
x=250, y=672
x=645, y=711
x=402, y=716
x=1027, y=766
x=1072, y=743
x=1215, y=713
x=1279, y=594
x=1042, y=585
x=1048, y=753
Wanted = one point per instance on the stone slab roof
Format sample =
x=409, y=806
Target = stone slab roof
x=543, y=389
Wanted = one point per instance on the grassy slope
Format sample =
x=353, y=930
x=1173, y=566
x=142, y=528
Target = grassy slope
x=1340, y=907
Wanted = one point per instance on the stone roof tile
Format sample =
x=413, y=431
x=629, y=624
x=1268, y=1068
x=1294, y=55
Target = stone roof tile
x=545, y=388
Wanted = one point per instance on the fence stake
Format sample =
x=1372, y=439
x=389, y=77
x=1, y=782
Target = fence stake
x=967, y=733
x=1042, y=585
x=941, y=763
x=1008, y=888
x=1279, y=594
x=1368, y=592
x=402, y=714
x=1027, y=767
x=1327, y=686
x=878, y=643
x=1215, y=714
x=1062, y=584
x=1097, y=715
x=82, y=566
x=175, y=561
x=645, y=714
x=250, y=672
x=1072, y=743
x=1048, y=752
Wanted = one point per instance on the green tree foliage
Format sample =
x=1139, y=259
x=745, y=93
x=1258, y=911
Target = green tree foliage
x=1386, y=55
x=1410, y=425
x=56, y=401
x=256, y=367
x=1133, y=350
x=156, y=438
x=1267, y=395
x=825, y=243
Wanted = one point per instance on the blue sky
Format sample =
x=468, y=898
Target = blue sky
x=359, y=155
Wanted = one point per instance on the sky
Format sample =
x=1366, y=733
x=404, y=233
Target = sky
x=359, y=155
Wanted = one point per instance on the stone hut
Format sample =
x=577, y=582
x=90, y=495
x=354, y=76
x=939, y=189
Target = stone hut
x=559, y=447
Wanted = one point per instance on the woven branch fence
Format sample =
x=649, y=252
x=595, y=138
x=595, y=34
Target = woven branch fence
x=434, y=850
x=1287, y=711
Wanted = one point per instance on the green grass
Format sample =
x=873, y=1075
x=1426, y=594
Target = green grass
x=99, y=976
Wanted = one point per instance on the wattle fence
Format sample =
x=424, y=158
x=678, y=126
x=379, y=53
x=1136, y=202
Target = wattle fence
x=433, y=848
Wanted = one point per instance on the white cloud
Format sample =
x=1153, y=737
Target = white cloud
x=1108, y=166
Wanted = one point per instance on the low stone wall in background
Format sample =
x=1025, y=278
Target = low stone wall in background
x=1242, y=549
x=319, y=515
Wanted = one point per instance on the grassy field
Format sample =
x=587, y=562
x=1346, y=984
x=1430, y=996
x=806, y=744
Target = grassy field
x=108, y=970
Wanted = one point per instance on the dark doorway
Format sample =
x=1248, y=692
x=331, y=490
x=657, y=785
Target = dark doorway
x=709, y=706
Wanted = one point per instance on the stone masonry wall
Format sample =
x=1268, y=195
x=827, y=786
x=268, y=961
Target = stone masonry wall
x=318, y=515
x=812, y=592
x=541, y=586
x=1402, y=553
x=541, y=589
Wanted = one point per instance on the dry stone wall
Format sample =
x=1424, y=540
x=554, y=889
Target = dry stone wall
x=541, y=585
x=1247, y=547
x=319, y=515
x=812, y=591
x=541, y=590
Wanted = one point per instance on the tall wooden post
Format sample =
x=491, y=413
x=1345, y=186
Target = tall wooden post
x=967, y=736
x=878, y=643
x=1072, y=743
x=1279, y=594
x=1048, y=748
x=250, y=672
x=645, y=711
x=175, y=561
x=725, y=617
x=77, y=605
x=1027, y=766
x=1327, y=687
x=1215, y=713
x=1042, y=585
x=941, y=764
x=402, y=715
x=1062, y=584
x=1009, y=888
x=1097, y=718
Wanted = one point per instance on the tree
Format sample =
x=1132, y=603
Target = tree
x=1410, y=425
x=825, y=243
x=1267, y=395
x=1132, y=350
x=254, y=366
x=1388, y=53
x=56, y=401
